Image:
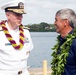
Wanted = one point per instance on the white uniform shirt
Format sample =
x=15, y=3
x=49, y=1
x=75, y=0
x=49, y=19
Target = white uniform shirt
x=10, y=58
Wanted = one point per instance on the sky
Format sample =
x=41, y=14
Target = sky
x=41, y=10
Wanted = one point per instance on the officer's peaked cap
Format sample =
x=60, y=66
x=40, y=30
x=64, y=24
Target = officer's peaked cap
x=16, y=6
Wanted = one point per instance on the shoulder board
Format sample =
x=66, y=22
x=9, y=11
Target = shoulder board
x=26, y=27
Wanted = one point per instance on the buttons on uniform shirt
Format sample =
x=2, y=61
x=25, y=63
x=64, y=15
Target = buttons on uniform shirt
x=19, y=72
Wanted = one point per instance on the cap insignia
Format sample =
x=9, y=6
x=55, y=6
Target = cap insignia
x=21, y=5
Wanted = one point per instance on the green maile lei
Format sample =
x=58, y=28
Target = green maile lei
x=59, y=60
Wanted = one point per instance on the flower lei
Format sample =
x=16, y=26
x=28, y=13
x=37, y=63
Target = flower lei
x=59, y=60
x=10, y=39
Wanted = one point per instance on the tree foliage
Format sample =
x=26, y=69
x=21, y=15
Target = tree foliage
x=42, y=27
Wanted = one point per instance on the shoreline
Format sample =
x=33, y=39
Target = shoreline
x=39, y=71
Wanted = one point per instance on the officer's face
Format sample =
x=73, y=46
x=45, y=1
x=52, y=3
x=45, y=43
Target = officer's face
x=14, y=18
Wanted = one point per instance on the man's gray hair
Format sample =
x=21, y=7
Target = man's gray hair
x=68, y=14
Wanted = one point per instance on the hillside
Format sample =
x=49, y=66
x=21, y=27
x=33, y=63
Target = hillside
x=42, y=27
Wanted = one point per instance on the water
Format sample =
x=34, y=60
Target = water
x=43, y=42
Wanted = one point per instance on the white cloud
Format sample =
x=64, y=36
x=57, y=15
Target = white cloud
x=42, y=10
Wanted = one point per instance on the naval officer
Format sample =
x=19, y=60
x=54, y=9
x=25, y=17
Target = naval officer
x=15, y=41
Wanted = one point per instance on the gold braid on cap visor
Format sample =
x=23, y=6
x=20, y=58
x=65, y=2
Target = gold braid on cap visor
x=16, y=10
x=10, y=39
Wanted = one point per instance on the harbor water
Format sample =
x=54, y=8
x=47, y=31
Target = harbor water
x=43, y=42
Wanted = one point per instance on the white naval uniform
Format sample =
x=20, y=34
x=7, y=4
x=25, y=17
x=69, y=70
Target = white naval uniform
x=12, y=60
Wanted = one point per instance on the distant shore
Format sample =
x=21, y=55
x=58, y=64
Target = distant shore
x=39, y=71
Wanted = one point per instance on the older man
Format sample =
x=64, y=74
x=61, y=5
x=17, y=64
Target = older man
x=64, y=56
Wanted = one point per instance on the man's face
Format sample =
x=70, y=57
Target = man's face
x=59, y=24
x=14, y=18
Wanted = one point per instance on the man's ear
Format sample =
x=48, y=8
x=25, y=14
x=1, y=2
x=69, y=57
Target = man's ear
x=66, y=22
